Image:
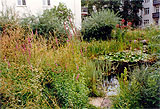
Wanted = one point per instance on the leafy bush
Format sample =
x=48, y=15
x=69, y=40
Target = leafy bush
x=149, y=80
x=51, y=22
x=8, y=18
x=99, y=25
x=142, y=91
x=70, y=90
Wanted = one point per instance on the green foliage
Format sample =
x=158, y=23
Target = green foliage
x=36, y=73
x=113, y=5
x=95, y=77
x=128, y=56
x=71, y=92
x=129, y=11
x=8, y=18
x=96, y=48
x=129, y=94
x=142, y=91
x=20, y=86
x=149, y=78
x=153, y=34
x=51, y=22
x=99, y=25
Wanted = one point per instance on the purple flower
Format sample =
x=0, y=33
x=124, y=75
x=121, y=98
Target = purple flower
x=29, y=52
x=36, y=32
x=67, y=40
x=66, y=29
x=29, y=40
x=70, y=34
x=24, y=47
x=28, y=60
x=77, y=76
x=9, y=64
x=77, y=67
x=81, y=52
x=5, y=58
x=17, y=46
x=32, y=32
x=30, y=45
x=85, y=49
x=66, y=66
x=56, y=64
x=56, y=40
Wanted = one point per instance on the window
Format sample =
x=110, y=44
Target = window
x=146, y=1
x=21, y=2
x=146, y=22
x=157, y=22
x=157, y=9
x=146, y=11
x=46, y=2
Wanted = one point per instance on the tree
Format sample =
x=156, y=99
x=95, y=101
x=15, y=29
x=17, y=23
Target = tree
x=102, y=4
x=128, y=9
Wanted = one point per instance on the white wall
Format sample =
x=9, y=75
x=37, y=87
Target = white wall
x=149, y=16
x=36, y=7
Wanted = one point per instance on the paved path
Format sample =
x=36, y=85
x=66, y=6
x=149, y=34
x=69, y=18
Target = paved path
x=101, y=102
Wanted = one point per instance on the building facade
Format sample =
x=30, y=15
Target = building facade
x=150, y=13
x=34, y=7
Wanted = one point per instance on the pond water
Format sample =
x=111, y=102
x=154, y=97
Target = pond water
x=111, y=86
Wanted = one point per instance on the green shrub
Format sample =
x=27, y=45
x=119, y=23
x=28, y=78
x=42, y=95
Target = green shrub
x=69, y=88
x=20, y=87
x=99, y=25
x=129, y=94
x=142, y=91
x=8, y=18
x=51, y=22
x=149, y=80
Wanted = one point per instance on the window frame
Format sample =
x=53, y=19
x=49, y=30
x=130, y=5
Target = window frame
x=146, y=11
x=157, y=9
x=157, y=22
x=146, y=22
x=46, y=2
x=146, y=1
x=21, y=2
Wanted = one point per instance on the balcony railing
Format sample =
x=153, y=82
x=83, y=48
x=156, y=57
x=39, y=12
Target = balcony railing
x=84, y=11
x=155, y=15
x=156, y=2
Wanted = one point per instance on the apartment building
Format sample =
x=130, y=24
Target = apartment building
x=151, y=13
x=24, y=7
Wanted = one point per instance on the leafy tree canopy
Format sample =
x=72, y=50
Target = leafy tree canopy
x=127, y=9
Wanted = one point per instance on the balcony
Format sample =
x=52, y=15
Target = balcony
x=156, y=2
x=155, y=15
x=84, y=11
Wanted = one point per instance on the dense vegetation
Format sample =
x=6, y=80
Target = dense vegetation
x=51, y=22
x=142, y=91
x=127, y=10
x=99, y=25
x=40, y=70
